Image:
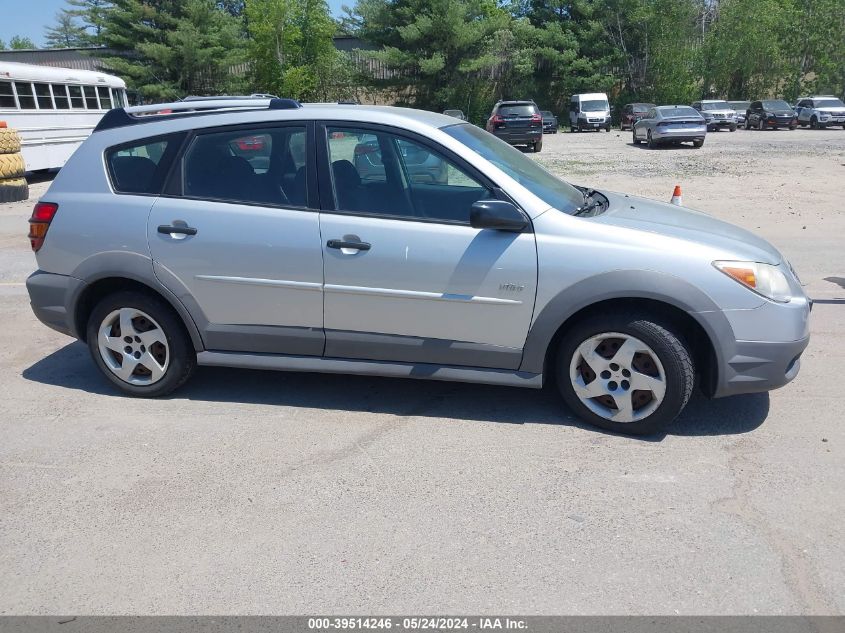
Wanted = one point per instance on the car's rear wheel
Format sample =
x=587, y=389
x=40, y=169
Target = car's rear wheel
x=747, y=123
x=634, y=134
x=698, y=142
x=538, y=145
x=140, y=344
x=651, y=142
x=625, y=372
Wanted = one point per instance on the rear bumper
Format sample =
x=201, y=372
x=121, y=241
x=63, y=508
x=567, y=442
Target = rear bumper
x=757, y=366
x=48, y=295
x=522, y=137
x=695, y=134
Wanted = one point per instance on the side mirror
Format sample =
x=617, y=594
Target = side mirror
x=498, y=215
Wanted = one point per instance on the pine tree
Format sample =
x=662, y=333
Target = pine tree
x=168, y=49
x=66, y=33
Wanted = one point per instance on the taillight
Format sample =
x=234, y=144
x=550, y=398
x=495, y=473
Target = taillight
x=42, y=215
x=536, y=118
x=497, y=118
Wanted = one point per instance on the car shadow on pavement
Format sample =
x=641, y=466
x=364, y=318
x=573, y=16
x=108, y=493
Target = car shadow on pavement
x=71, y=368
x=662, y=146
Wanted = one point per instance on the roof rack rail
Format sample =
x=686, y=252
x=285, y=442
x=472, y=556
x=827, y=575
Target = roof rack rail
x=122, y=117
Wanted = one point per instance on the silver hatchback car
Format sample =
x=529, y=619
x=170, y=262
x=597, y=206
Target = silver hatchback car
x=242, y=234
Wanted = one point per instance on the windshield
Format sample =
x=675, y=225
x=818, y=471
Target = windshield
x=680, y=111
x=775, y=104
x=526, y=109
x=550, y=189
x=829, y=103
x=594, y=106
x=716, y=105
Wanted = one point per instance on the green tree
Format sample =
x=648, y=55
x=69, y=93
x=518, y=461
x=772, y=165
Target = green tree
x=291, y=49
x=18, y=43
x=168, y=49
x=2, y=45
x=92, y=14
x=440, y=53
x=66, y=33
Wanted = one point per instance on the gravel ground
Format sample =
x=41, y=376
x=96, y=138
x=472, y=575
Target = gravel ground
x=251, y=492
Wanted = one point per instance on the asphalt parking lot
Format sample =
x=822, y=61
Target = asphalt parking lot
x=249, y=492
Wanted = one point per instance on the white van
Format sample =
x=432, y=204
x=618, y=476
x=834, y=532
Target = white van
x=589, y=111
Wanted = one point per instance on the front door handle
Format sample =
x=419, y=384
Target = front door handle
x=340, y=244
x=170, y=229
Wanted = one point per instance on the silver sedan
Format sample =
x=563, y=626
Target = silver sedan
x=671, y=124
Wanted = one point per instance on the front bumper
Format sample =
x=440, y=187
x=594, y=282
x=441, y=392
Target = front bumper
x=587, y=124
x=717, y=123
x=757, y=366
x=48, y=294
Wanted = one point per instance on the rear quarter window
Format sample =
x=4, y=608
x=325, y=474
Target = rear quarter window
x=141, y=167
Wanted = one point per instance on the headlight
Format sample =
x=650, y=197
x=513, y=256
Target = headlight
x=764, y=279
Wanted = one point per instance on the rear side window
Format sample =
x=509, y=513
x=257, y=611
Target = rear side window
x=265, y=166
x=141, y=167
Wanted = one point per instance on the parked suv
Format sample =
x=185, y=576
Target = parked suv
x=717, y=114
x=549, y=122
x=820, y=112
x=770, y=113
x=517, y=123
x=163, y=248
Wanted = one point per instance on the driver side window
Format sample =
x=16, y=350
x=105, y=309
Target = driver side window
x=376, y=172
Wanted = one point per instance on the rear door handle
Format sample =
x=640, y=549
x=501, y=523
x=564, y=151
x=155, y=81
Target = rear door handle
x=360, y=246
x=169, y=229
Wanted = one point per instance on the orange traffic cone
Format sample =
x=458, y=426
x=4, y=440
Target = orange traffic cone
x=676, y=196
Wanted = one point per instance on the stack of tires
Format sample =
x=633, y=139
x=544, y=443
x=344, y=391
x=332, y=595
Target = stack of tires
x=13, y=186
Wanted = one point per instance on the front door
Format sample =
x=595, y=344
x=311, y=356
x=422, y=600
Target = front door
x=237, y=241
x=406, y=277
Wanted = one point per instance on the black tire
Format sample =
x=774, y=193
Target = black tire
x=14, y=190
x=652, y=144
x=761, y=125
x=572, y=129
x=698, y=143
x=634, y=134
x=747, y=123
x=671, y=350
x=733, y=128
x=814, y=123
x=538, y=146
x=792, y=127
x=182, y=357
x=607, y=128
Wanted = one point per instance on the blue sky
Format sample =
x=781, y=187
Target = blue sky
x=30, y=17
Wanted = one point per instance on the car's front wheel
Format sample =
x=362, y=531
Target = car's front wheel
x=698, y=142
x=626, y=372
x=140, y=344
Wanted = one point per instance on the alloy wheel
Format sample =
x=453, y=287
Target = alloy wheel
x=133, y=346
x=618, y=377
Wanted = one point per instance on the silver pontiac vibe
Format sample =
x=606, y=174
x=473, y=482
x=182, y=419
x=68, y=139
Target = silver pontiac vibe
x=240, y=232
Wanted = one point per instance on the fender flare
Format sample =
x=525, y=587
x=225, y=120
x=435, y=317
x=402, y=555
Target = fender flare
x=126, y=265
x=623, y=284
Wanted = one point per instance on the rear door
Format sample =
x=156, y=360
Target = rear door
x=406, y=277
x=237, y=237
